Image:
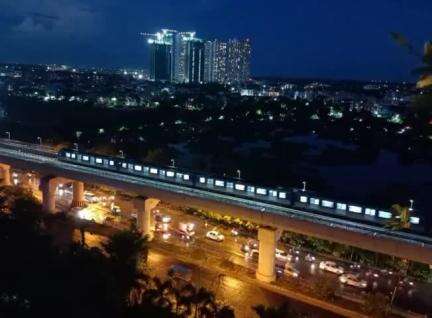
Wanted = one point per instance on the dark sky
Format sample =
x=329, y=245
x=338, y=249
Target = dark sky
x=303, y=38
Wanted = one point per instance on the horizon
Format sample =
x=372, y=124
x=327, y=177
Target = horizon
x=107, y=35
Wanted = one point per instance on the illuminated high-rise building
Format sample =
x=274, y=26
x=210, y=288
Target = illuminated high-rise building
x=181, y=57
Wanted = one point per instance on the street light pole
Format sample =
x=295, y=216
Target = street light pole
x=411, y=204
x=172, y=163
x=121, y=153
x=40, y=140
x=304, y=186
x=239, y=174
x=8, y=134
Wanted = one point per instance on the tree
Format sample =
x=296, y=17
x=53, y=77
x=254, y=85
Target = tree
x=400, y=218
x=282, y=311
x=376, y=305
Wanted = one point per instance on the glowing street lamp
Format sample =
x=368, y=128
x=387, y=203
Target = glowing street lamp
x=238, y=174
x=411, y=204
x=121, y=153
x=304, y=186
x=40, y=140
x=8, y=134
x=173, y=163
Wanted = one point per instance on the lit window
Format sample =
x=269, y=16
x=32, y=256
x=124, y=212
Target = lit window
x=261, y=191
x=341, y=206
x=314, y=201
x=369, y=211
x=68, y=154
x=303, y=199
x=219, y=183
x=85, y=158
x=138, y=168
x=327, y=204
x=282, y=195
x=273, y=193
x=111, y=162
x=186, y=177
x=355, y=209
x=153, y=170
x=170, y=174
x=73, y=156
x=251, y=189
x=414, y=220
x=202, y=180
x=240, y=187
x=162, y=172
x=98, y=160
x=384, y=214
x=124, y=165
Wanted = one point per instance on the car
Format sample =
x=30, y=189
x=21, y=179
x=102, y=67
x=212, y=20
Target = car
x=282, y=255
x=162, y=218
x=215, y=236
x=310, y=258
x=331, y=267
x=352, y=280
x=289, y=270
x=250, y=244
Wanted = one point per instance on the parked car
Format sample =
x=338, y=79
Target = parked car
x=310, y=258
x=215, y=236
x=353, y=280
x=331, y=267
x=289, y=270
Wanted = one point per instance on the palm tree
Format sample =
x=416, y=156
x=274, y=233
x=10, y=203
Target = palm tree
x=282, y=311
x=203, y=299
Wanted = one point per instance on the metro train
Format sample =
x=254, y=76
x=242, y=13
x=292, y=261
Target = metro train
x=291, y=197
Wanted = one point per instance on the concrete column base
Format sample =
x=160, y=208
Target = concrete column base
x=6, y=176
x=266, y=259
x=78, y=194
x=144, y=217
x=48, y=187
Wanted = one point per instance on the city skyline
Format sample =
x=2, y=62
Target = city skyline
x=335, y=40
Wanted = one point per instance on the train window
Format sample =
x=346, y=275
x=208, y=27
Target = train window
x=124, y=165
x=261, y=191
x=111, y=162
x=202, y=180
x=219, y=183
x=240, y=187
x=369, y=211
x=68, y=154
x=384, y=214
x=170, y=174
x=179, y=175
x=355, y=209
x=273, y=193
x=251, y=189
x=98, y=160
x=341, y=206
x=210, y=181
x=186, y=177
x=85, y=158
x=414, y=220
x=314, y=201
x=146, y=169
x=137, y=168
x=303, y=199
x=282, y=195
x=162, y=172
x=73, y=156
x=327, y=204
x=153, y=170
x=230, y=185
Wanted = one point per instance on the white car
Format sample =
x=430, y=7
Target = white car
x=331, y=267
x=352, y=280
x=282, y=255
x=215, y=236
x=291, y=271
x=310, y=258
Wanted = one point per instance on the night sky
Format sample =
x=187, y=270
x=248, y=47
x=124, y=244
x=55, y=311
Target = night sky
x=303, y=38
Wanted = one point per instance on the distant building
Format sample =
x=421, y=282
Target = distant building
x=191, y=60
